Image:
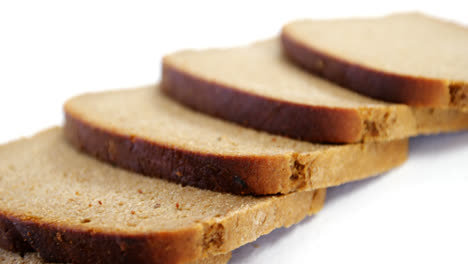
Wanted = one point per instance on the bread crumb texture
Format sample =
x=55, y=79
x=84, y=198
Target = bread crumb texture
x=408, y=57
x=157, y=137
x=63, y=197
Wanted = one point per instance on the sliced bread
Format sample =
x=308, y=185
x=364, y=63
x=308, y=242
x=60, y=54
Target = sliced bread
x=144, y=131
x=257, y=86
x=69, y=207
x=406, y=58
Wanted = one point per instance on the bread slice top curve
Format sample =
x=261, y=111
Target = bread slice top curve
x=257, y=86
x=144, y=131
x=70, y=207
x=261, y=68
x=406, y=58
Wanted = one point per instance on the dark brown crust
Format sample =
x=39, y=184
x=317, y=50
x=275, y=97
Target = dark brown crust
x=238, y=175
x=10, y=238
x=299, y=121
x=64, y=244
x=415, y=91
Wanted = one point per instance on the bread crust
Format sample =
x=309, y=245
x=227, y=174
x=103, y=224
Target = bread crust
x=252, y=174
x=234, y=174
x=391, y=87
x=66, y=239
x=57, y=242
x=61, y=244
x=299, y=121
x=314, y=123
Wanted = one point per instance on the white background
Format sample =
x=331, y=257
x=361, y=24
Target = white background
x=51, y=50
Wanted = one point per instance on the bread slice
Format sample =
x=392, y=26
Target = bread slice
x=144, y=131
x=72, y=208
x=8, y=257
x=257, y=86
x=406, y=58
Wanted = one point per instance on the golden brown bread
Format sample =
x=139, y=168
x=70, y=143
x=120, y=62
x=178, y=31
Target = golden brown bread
x=257, y=86
x=143, y=131
x=406, y=58
x=69, y=207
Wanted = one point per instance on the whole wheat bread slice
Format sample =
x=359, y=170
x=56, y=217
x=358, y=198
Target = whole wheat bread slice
x=69, y=207
x=407, y=58
x=257, y=86
x=8, y=257
x=144, y=131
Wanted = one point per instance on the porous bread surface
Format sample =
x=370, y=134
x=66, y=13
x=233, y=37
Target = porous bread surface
x=145, y=113
x=409, y=57
x=99, y=196
x=218, y=259
x=407, y=43
x=158, y=137
x=261, y=68
x=51, y=191
x=8, y=257
x=257, y=86
x=433, y=120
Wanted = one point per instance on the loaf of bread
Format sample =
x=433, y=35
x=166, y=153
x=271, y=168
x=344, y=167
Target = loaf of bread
x=257, y=86
x=143, y=131
x=406, y=58
x=69, y=207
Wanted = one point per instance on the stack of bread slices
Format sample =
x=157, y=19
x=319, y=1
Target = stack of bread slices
x=232, y=143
